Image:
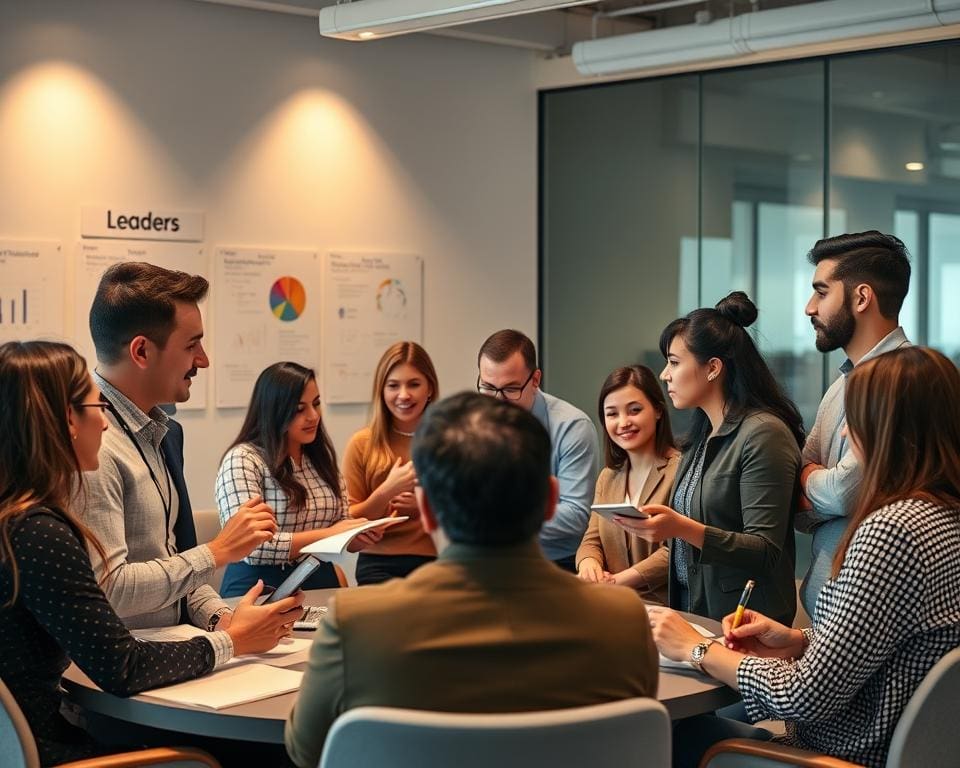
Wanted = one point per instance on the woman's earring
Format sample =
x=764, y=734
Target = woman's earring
x=711, y=376
x=73, y=435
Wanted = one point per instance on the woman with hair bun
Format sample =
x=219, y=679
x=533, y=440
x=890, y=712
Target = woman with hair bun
x=735, y=493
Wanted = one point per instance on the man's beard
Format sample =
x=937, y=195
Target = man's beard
x=838, y=331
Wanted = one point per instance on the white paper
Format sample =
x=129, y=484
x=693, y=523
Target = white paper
x=671, y=664
x=266, y=310
x=31, y=291
x=370, y=302
x=336, y=544
x=231, y=686
x=286, y=653
x=93, y=259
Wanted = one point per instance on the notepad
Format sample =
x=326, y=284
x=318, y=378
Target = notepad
x=231, y=686
x=336, y=544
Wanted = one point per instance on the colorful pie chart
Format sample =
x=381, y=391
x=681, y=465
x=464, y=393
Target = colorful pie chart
x=287, y=299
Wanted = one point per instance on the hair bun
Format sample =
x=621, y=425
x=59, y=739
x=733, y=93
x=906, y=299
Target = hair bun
x=738, y=309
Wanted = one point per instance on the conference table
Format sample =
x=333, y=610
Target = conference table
x=683, y=692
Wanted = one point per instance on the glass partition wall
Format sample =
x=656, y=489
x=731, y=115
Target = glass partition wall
x=662, y=195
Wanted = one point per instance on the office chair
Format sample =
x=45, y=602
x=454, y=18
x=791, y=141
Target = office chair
x=925, y=736
x=619, y=734
x=19, y=750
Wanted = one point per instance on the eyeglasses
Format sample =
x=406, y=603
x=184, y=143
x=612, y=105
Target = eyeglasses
x=507, y=393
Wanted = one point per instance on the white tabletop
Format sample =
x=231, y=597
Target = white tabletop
x=684, y=693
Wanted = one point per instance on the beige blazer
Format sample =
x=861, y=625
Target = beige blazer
x=614, y=548
x=480, y=630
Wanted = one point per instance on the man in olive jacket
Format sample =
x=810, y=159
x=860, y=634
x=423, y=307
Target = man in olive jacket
x=491, y=626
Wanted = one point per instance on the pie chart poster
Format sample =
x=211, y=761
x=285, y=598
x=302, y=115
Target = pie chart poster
x=267, y=309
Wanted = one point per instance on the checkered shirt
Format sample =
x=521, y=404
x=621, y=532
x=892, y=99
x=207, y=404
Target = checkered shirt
x=892, y=612
x=244, y=474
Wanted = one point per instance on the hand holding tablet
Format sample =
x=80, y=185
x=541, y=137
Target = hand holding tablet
x=610, y=511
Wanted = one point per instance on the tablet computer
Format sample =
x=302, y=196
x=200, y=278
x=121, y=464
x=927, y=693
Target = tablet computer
x=609, y=511
x=293, y=581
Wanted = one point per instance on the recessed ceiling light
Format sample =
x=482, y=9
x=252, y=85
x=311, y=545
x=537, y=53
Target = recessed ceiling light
x=914, y=166
x=366, y=35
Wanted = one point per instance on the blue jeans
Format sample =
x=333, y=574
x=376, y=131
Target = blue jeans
x=239, y=577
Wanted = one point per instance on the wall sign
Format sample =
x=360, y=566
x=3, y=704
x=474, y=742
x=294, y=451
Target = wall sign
x=140, y=223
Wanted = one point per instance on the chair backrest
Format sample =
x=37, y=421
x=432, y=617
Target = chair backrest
x=927, y=733
x=17, y=746
x=619, y=734
x=207, y=523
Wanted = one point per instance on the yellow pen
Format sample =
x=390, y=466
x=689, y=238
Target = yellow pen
x=738, y=616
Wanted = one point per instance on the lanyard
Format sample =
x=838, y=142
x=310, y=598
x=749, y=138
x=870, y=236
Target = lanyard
x=166, y=501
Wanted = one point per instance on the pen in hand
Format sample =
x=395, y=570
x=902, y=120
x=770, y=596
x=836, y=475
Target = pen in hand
x=738, y=616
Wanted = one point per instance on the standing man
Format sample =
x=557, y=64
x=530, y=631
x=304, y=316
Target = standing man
x=148, y=333
x=490, y=626
x=508, y=369
x=859, y=286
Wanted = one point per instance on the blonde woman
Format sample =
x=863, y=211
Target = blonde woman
x=377, y=468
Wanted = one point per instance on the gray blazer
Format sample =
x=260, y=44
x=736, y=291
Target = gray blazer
x=747, y=498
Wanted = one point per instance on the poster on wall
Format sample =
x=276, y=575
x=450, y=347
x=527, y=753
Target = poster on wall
x=31, y=290
x=266, y=309
x=370, y=302
x=93, y=259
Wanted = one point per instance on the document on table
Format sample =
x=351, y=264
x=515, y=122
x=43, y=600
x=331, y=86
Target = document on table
x=286, y=653
x=231, y=686
x=671, y=664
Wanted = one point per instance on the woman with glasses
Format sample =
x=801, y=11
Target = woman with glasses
x=891, y=608
x=731, y=509
x=52, y=610
x=376, y=465
x=640, y=466
x=284, y=456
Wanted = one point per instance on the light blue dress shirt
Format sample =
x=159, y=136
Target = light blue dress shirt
x=575, y=462
x=833, y=490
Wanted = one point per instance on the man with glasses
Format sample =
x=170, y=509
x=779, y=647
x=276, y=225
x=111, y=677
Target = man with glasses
x=508, y=370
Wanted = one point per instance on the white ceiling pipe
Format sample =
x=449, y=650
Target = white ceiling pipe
x=760, y=31
x=373, y=19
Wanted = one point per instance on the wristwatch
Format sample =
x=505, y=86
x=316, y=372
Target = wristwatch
x=215, y=619
x=697, y=654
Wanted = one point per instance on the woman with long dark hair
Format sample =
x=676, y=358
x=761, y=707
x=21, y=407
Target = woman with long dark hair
x=732, y=505
x=52, y=610
x=891, y=609
x=284, y=455
x=641, y=462
x=376, y=463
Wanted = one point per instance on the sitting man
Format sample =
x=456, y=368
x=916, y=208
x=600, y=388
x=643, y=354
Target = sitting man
x=492, y=625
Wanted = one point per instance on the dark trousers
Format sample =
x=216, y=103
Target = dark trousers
x=567, y=563
x=693, y=736
x=376, y=569
x=239, y=577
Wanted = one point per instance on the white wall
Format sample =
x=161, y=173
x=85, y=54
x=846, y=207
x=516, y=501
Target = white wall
x=418, y=144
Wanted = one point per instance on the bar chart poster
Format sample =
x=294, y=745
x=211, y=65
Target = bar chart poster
x=32, y=290
x=370, y=302
x=266, y=310
x=95, y=257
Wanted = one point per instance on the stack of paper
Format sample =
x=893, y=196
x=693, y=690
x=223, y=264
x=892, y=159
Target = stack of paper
x=231, y=686
x=286, y=653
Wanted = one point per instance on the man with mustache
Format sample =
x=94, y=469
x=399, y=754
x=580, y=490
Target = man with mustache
x=148, y=333
x=859, y=285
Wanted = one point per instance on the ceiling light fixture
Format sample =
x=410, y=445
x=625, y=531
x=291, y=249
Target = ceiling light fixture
x=368, y=19
x=914, y=166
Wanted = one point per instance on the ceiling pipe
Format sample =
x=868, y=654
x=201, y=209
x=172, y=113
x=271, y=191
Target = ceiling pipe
x=750, y=33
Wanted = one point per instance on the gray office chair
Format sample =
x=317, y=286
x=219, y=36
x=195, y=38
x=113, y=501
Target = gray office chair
x=926, y=735
x=19, y=750
x=620, y=734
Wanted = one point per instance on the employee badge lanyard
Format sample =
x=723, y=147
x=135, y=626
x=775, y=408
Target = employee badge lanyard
x=166, y=501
